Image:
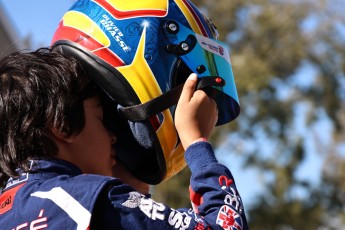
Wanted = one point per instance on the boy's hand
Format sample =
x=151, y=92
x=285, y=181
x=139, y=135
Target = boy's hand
x=196, y=114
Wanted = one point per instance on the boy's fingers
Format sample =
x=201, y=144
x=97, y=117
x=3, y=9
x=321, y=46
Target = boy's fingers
x=189, y=88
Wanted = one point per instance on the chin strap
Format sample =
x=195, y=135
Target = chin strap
x=146, y=110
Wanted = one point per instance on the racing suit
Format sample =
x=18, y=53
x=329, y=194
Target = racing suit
x=56, y=195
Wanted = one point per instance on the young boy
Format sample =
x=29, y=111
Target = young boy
x=57, y=158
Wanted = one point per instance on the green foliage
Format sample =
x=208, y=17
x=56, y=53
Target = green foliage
x=283, y=107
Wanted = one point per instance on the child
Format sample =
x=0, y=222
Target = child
x=56, y=148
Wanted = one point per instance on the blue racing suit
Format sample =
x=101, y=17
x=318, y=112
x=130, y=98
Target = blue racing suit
x=56, y=195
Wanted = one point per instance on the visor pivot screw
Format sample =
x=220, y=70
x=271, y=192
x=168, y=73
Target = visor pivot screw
x=148, y=57
x=172, y=27
x=184, y=46
x=201, y=69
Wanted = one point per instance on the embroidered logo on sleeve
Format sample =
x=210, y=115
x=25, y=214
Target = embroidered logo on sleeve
x=148, y=206
x=232, y=198
x=229, y=219
x=133, y=200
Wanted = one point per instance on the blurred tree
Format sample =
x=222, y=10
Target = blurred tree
x=288, y=58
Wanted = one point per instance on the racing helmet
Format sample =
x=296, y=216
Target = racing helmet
x=140, y=53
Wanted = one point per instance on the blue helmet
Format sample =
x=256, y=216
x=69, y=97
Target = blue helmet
x=140, y=53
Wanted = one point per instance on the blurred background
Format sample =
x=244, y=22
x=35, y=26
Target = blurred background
x=287, y=147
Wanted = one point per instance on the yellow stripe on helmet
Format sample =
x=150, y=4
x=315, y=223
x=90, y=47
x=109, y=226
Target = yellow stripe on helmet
x=86, y=25
x=189, y=16
x=133, y=5
x=142, y=80
x=139, y=74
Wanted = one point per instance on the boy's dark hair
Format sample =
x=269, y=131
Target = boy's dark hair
x=39, y=91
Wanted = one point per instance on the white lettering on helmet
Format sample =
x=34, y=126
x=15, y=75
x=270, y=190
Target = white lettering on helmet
x=115, y=32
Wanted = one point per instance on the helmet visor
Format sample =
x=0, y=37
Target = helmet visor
x=206, y=57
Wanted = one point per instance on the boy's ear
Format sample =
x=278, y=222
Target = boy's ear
x=61, y=135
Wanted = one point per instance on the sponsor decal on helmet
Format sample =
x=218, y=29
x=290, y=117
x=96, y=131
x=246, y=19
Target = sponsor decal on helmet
x=213, y=47
x=115, y=32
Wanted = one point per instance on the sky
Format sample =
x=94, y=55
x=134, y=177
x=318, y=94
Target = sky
x=39, y=19
x=36, y=18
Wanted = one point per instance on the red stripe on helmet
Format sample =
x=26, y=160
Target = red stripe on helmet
x=130, y=14
x=107, y=55
x=77, y=36
x=196, y=17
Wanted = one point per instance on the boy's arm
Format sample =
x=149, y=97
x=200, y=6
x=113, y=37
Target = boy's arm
x=213, y=191
x=215, y=200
